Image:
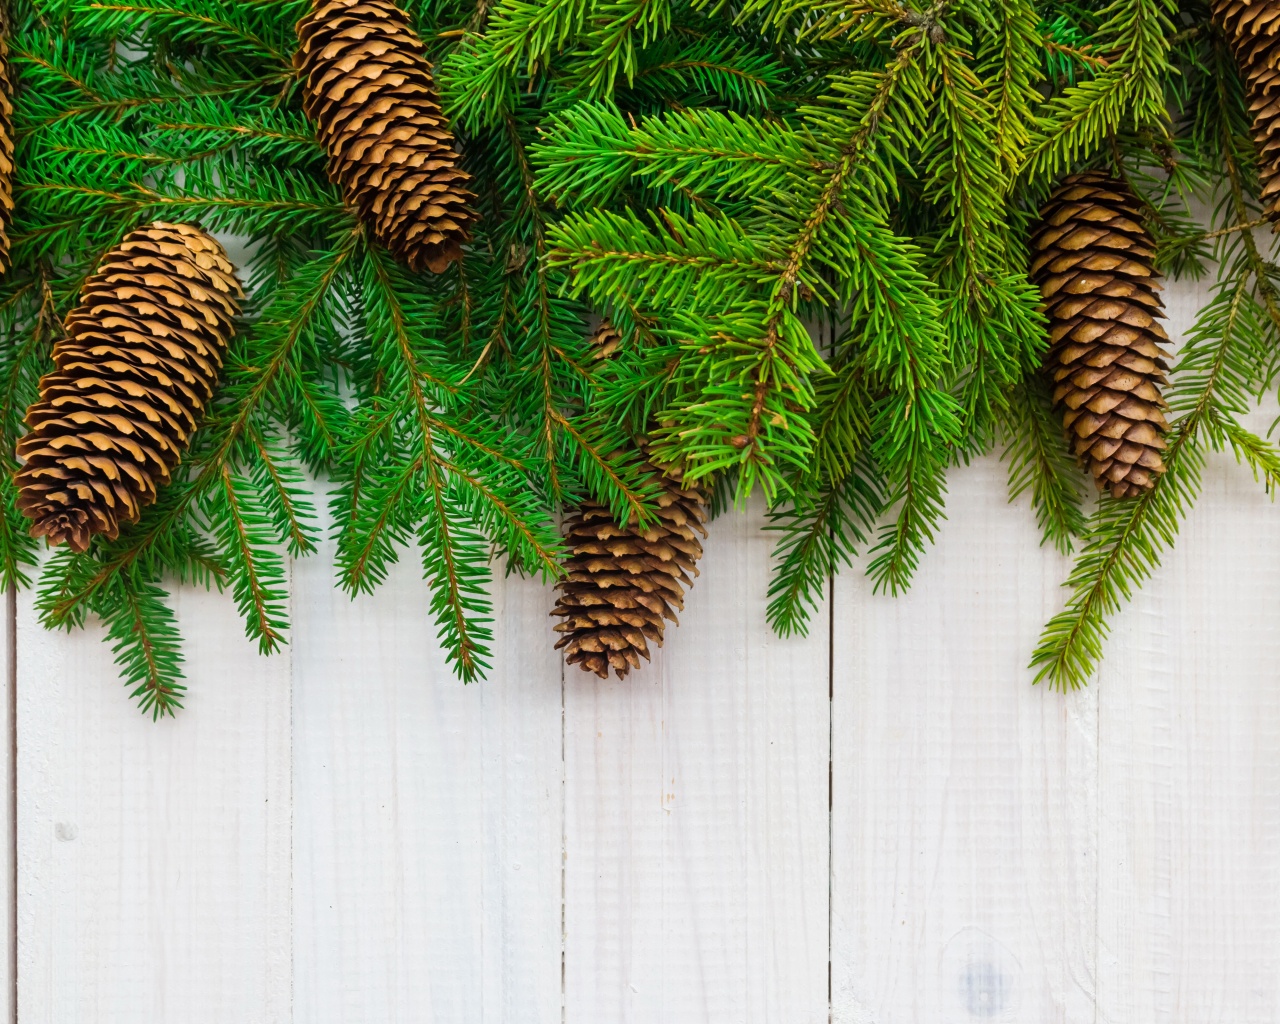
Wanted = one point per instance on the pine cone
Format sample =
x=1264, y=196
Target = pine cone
x=1253, y=28
x=6, y=154
x=1092, y=261
x=605, y=341
x=622, y=582
x=370, y=94
x=135, y=370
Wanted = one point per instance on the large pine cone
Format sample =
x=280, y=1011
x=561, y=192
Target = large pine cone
x=1253, y=28
x=370, y=94
x=1091, y=257
x=623, y=582
x=135, y=370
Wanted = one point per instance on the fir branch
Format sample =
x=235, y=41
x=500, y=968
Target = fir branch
x=199, y=20
x=816, y=538
x=1041, y=464
x=1136, y=35
x=144, y=637
x=257, y=573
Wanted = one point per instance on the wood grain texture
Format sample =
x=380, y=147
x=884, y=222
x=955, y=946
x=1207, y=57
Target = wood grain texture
x=1189, y=764
x=8, y=780
x=153, y=857
x=696, y=815
x=428, y=828
x=964, y=800
x=1189, y=759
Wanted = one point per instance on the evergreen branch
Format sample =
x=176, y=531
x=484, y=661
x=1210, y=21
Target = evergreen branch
x=1123, y=544
x=818, y=536
x=1011, y=74
x=588, y=153
x=285, y=496
x=528, y=30
x=366, y=548
x=1081, y=54
x=453, y=597
x=144, y=637
x=114, y=19
x=1262, y=458
x=1040, y=463
x=118, y=107
x=1257, y=222
x=258, y=574
x=1132, y=85
x=610, y=42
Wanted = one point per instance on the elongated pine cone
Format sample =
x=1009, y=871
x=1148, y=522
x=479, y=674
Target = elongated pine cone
x=623, y=582
x=1091, y=257
x=1253, y=29
x=135, y=370
x=6, y=154
x=369, y=92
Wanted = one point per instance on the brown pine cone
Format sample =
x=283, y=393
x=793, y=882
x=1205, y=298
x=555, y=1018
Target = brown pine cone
x=370, y=94
x=1091, y=257
x=135, y=371
x=1253, y=28
x=605, y=340
x=623, y=582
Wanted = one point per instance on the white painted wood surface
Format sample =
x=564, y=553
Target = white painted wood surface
x=884, y=823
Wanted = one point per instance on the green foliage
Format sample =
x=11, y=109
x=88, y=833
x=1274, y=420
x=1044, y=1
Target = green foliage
x=398, y=388
x=808, y=218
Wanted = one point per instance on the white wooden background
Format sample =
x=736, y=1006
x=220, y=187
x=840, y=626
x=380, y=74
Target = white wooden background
x=884, y=823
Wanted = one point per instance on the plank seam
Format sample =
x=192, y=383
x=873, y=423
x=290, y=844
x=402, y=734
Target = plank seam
x=292, y=563
x=831, y=790
x=1096, y=937
x=11, y=670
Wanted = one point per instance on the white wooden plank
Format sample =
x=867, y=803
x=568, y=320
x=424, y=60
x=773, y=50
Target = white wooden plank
x=696, y=815
x=1189, y=890
x=153, y=857
x=1189, y=765
x=964, y=799
x=8, y=931
x=428, y=813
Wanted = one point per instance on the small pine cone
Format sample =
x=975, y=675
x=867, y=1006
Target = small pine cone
x=6, y=154
x=622, y=582
x=605, y=341
x=135, y=370
x=1091, y=257
x=1253, y=28
x=370, y=94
